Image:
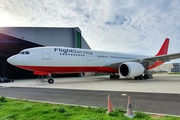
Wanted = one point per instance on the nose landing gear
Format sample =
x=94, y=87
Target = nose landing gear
x=43, y=78
x=50, y=79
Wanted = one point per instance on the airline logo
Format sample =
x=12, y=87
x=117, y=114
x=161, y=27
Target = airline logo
x=70, y=51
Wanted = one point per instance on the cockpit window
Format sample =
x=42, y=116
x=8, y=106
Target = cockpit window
x=24, y=52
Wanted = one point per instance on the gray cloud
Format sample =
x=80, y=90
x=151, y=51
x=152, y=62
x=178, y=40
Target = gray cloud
x=117, y=20
x=132, y=26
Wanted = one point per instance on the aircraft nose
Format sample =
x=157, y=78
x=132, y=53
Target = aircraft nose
x=12, y=60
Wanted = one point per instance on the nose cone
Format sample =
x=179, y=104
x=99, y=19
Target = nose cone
x=12, y=60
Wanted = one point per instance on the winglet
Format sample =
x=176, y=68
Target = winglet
x=164, y=48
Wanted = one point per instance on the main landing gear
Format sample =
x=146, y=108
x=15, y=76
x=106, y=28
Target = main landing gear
x=145, y=76
x=114, y=76
x=141, y=77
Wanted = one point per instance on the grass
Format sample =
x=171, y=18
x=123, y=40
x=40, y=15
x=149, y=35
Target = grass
x=13, y=109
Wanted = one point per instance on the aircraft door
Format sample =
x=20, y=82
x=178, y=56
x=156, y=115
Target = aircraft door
x=46, y=54
x=89, y=57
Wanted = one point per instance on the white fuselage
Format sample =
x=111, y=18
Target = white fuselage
x=68, y=60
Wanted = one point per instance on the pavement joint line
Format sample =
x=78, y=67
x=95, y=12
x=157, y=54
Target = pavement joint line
x=150, y=87
x=150, y=113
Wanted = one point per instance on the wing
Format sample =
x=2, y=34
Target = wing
x=149, y=62
x=164, y=58
x=158, y=60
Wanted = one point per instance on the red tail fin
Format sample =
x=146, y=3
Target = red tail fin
x=164, y=48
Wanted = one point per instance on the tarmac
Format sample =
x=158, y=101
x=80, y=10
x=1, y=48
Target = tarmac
x=161, y=83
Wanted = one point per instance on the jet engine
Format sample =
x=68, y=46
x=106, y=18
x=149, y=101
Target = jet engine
x=130, y=69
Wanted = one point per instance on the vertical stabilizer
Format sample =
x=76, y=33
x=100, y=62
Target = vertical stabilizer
x=164, y=48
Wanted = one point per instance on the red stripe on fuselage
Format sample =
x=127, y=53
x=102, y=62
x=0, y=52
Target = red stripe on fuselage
x=70, y=69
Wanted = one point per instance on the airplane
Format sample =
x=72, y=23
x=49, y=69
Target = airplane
x=50, y=60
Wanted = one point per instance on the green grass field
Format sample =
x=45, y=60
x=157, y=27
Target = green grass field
x=13, y=109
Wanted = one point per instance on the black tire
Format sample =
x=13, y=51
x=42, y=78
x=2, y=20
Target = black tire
x=150, y=76
x=114, y=76
x=145, y=77
x=140, y=77
x=117, y=76
x=111, y=76
x=51, y=81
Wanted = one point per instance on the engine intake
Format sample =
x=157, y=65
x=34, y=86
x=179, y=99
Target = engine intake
x=130, y=69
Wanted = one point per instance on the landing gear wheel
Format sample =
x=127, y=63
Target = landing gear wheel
x=113, y=76
x=50, y=81
x=140, y=77
x=117, y=76
x=145, y=76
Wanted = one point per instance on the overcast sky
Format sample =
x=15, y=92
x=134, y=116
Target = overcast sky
x=132, y=26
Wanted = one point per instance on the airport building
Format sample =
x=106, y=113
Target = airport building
x=169, y=67
x=176, y=68
x=15, y=39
